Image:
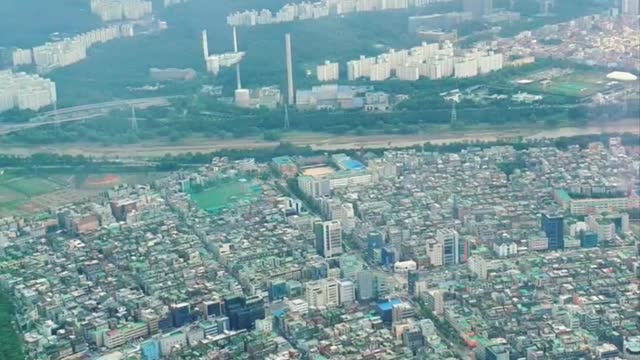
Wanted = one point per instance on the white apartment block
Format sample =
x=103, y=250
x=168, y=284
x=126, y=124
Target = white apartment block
x=25, y=91
x=380, y=72
x=490, y=62
x=328, y=71
x=466, y=68
x=112, y=10
x=58, y=54
x=408, y=73
x=360, y=68
x=72, y=50
x=22, y=57
x=433, y=61
x=586, y=206
x=315, y=10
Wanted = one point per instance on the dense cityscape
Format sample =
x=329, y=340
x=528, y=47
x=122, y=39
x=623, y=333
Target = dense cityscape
x=340, y=179
x=410, y=253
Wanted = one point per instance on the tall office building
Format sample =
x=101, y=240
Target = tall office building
x=553, y=227
x=478, y=8
x=328, y=238
x=243, y=312
x=413, y=277
x=366, y=285
x=324, y=293
x=375, y=241
x=347, y=291
x=630, y=7
x=454, y=250
x=180, y=314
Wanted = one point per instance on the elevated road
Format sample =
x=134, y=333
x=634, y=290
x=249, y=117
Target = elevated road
x=84, y=112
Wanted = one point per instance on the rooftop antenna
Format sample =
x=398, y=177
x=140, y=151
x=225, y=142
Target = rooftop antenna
x=235, y=50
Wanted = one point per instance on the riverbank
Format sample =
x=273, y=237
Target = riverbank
x=330, y=142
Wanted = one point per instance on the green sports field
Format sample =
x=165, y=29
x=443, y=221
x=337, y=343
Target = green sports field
x=220, y=196
x=578, y=84
x=16, y=191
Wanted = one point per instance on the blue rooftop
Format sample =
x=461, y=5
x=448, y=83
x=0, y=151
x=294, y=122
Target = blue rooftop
x=386, y=306
x=352, y=164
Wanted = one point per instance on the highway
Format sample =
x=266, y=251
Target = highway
x=84, y=112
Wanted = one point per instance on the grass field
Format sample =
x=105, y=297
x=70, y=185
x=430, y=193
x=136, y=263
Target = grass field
x=578, y=84
x=221, y=196
x=16, y=191
x=24, y=194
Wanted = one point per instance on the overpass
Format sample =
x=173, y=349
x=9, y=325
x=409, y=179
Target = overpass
x=84, y=112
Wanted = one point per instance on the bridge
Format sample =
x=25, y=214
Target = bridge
x=84, y=112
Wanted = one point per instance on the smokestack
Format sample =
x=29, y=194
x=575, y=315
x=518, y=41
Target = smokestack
x=291, y=94
x=235, y=49
x=205, y=45
x=235, y=40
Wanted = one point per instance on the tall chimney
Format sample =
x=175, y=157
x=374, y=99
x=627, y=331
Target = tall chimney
x=235, y=49
x=291, y=94
x=205, y=45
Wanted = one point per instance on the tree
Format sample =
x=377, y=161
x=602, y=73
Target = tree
x=272, y=135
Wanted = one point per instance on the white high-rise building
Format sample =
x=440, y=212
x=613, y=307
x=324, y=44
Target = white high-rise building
x=111, y=10
x=25, y=91
x=354, y=70
x=434, y=251
x=328, y=71
x=322, y=293
x=630, y=7
x=466, y=68
x=347, y=292
x=314, y=294
x=68, y=51
x=380, y=71
x=332, y=291
x=22, y=57
x=328, y=238
x=453, y=250
x=408, y=72
x=360, y=68
x=490, y=62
